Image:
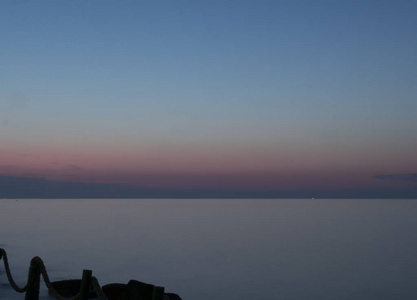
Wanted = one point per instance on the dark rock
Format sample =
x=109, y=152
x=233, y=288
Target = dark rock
x=70, y=288
x=172, y=296
x=114, y=291
x=118, y=291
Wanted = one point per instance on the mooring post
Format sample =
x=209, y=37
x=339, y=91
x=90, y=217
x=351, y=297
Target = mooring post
x=32, y=292
x=85, y=284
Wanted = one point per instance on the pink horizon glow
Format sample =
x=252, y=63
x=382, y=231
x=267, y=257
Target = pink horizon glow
x=198, y=167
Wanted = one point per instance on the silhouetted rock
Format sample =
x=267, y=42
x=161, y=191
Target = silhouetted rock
x=70, y=288
x=172, y=296
x=119, y=291
x=114, y=291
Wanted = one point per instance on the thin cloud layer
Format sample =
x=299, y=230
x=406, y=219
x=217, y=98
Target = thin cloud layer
x=399, y=177
x=28, y=187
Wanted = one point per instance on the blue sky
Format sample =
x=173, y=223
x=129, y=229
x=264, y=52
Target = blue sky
x=305, y=91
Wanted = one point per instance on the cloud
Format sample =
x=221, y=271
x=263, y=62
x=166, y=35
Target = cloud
x=74, y=167
x=19, y=187
x=8, y=168
x=400, y=177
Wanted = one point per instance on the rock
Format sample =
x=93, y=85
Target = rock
x=70, y=288
x=118, y=291
x=172, y=296
x=114, y=291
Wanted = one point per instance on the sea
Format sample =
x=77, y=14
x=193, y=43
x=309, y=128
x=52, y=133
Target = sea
x=218, y=249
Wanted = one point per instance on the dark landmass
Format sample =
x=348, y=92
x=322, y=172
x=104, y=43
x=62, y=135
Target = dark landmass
x=35, y=188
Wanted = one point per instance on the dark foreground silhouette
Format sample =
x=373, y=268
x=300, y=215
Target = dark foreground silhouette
x=86, y=288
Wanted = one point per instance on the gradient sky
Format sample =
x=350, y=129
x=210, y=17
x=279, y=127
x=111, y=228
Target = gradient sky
x=210, y=94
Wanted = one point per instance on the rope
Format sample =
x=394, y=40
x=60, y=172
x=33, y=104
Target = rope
x=48, y=283
x=9, y=275
x=51, y=289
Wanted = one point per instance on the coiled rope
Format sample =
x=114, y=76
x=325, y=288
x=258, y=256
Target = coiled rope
x=48, y=283
x=18, y=289
x=51, y=289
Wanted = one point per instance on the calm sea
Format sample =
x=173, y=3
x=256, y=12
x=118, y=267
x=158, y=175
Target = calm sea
x=220, y=249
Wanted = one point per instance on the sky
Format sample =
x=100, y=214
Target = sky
x=210, y=95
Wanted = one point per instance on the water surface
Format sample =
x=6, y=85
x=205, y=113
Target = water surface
x=220, y=249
